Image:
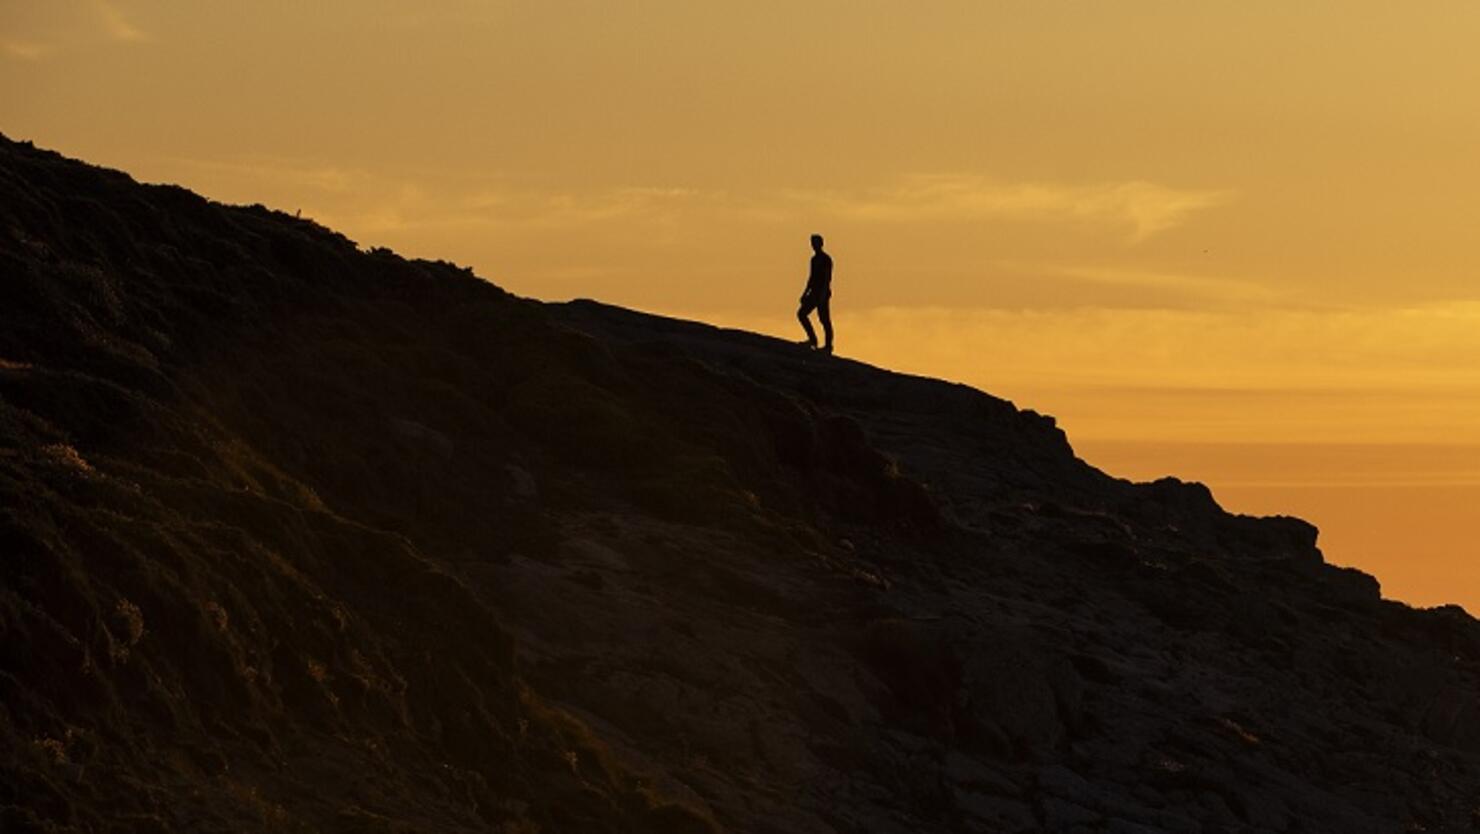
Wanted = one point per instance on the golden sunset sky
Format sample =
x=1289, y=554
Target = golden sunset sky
x=1231, y=241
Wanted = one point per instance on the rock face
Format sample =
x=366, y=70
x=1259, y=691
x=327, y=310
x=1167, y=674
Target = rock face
x=299, y=537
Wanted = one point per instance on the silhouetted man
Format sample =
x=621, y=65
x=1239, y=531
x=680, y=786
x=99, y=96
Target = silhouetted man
x=817, y=296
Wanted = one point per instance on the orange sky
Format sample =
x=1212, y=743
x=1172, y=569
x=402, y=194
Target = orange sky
x=1227, y=240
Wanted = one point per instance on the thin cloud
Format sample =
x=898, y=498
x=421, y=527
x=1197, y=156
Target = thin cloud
x=26, y=50
x=1200, y=286
x=1409, y=374
x=364, y=201
x=402, y=202
x=328, y=178
x=69, y=27
x=117, y=26
x=1145, y=207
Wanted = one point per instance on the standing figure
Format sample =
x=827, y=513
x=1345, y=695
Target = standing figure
x=818, y=296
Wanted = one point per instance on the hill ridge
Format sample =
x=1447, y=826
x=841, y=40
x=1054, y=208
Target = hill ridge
x=306, y=537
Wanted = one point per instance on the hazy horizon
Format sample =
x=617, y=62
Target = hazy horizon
x=1227, y=242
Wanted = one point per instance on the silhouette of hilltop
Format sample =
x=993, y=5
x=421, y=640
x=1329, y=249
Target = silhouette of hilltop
x=302, y=537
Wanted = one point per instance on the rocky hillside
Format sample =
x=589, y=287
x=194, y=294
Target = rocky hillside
x=299, y=537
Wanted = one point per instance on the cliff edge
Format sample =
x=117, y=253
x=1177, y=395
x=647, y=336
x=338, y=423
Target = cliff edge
x=297, y=536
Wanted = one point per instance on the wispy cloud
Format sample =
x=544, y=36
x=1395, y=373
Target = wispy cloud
x=1374, y=464
x=357, y=199
x=1146, y=208
x=68, y=27
x=1407, y=374
x=1209, y=287
x=117, y=25
x=278, y=172
x=21, y=50
x=407, y=208
x=402, y=202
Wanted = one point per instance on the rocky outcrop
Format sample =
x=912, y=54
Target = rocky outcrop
x=302, y=537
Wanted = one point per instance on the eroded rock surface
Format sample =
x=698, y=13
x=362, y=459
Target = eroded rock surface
x=300, y=537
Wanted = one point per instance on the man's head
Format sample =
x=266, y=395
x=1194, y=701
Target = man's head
x=817, y=243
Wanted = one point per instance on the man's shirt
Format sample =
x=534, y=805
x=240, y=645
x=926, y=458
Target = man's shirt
x=820, y=277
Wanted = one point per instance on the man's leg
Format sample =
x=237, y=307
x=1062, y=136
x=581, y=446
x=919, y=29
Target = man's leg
x=802, y=312
x=824, y=315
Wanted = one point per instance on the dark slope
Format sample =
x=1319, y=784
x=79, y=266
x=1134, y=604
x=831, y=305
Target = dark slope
x=300, y=537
